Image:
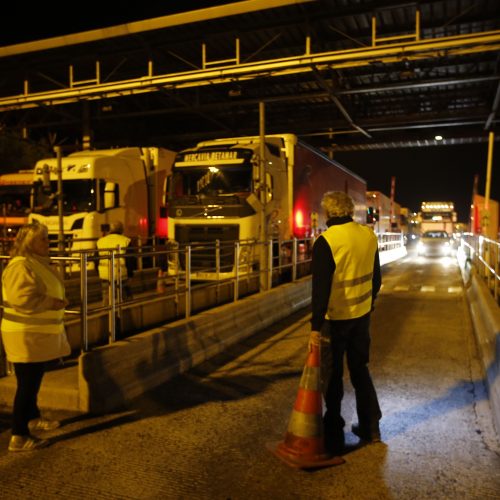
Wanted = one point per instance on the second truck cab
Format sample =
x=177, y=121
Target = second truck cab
x=99, y=187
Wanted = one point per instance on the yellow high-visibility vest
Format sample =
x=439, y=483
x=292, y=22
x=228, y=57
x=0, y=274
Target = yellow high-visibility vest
x=46, y=321
x=353, y=248
x=107, y=242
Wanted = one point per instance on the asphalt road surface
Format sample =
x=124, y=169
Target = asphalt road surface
x=203, y=435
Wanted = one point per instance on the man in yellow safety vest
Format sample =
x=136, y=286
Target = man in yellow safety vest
x=124, y=266
x=346, y=278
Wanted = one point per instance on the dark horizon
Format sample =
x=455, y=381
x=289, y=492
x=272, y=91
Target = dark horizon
x=434, y=173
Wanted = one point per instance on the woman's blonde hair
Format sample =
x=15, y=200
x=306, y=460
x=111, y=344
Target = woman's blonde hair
x=337, y=204
x=23, y=244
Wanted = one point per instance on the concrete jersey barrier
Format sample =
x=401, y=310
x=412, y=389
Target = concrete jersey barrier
x=110, y=375
x=485, y=315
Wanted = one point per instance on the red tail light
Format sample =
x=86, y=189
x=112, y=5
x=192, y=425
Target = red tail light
x=299, y=229
x=299, y=219
x=162, y=227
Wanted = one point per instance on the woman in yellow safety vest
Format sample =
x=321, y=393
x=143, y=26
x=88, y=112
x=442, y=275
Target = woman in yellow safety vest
x=32, y=329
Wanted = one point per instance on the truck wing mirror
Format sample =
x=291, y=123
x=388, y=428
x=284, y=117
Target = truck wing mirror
x=254, y=202
x=255, y=171
x=46, y=178
x=269, y=187
x=110, y=195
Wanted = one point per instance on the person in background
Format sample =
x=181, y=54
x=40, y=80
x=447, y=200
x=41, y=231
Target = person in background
x=123, y=266
x=346, y=278
x=32, y=329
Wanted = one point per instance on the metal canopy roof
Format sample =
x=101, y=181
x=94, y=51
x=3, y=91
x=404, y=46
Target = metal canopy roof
x=342, y=74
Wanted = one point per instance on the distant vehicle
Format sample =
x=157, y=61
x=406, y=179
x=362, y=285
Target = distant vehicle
x=379, y=214
x=437, y=216
x=435, y=244
x=15, y=201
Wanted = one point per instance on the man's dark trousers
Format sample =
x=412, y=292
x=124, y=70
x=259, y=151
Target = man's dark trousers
x=352, y=338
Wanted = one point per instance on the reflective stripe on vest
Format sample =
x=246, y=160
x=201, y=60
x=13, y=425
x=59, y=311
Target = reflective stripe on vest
x=47, y=321
x=111, y=242
x=30, y=320
x=353, y=249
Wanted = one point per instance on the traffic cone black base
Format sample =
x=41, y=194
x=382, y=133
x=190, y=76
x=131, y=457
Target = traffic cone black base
x=303, y=461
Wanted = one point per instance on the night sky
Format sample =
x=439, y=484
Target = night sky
x=439, y=173
x=60, y=18
x=434, y=173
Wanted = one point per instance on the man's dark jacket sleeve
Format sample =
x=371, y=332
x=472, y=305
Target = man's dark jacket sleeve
x=323, y=267
x=377, y=278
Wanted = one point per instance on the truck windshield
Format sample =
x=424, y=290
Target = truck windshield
x=210, y=180
x=15, y=200
x=79, y=195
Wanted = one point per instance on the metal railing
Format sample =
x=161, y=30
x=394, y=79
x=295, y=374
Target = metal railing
x=160, y=282
x=107, y=298
x=390, y=241
x=484, y=255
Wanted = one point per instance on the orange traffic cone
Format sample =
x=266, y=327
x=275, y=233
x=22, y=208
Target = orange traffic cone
x=160, y=284
x=304, y=446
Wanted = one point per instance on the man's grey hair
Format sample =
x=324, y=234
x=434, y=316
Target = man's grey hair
x=337, y=204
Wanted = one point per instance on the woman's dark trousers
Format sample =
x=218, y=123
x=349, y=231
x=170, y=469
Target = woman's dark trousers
x=29, y=378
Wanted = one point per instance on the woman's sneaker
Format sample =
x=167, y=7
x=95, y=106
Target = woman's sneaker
x=26, y=443
x=41, y=424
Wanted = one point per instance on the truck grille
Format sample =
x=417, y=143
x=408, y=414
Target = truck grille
x=54, y=242
x=203, y=246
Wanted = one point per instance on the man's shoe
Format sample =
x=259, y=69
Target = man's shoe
x=41, y=424
x=366, y=435
x=26, y=443
x=335, y=443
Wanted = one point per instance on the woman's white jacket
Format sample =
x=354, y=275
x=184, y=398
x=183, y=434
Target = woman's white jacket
x=32, y=329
